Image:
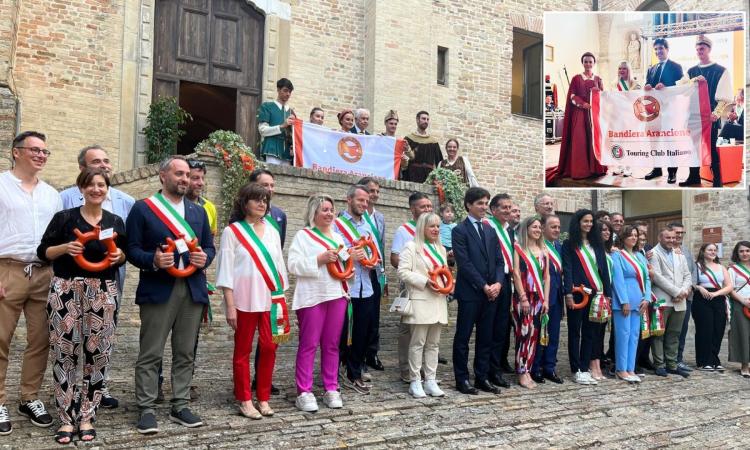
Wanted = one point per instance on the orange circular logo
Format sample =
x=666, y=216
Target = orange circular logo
x=350, y=149
x=646, y=108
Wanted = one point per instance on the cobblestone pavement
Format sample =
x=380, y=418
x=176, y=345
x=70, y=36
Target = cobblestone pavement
x=706, y=410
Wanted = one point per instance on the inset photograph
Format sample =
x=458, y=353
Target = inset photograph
x=644, y=100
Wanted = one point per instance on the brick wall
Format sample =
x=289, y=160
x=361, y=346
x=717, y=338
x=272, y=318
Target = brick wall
x=7, y=125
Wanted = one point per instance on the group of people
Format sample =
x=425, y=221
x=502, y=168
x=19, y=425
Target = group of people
x=62, y=264
x=420, y=154
x=577, y=159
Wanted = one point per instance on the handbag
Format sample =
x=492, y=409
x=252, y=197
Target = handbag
x=402, y=304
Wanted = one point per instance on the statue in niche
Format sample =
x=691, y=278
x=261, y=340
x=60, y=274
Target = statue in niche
x=634, y=52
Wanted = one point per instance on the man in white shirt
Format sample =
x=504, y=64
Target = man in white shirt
x=419, y=204
x=27, y=205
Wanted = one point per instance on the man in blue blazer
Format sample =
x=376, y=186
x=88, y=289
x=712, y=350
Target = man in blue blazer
x=545, y=361
x=168, y=304
x=478, y=284
x=117, y=202
x=663, y=74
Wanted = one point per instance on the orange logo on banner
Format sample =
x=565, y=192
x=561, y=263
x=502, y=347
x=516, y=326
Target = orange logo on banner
x=350, y=149
x=646, y=108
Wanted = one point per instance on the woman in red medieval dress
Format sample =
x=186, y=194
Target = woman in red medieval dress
x=577, y=158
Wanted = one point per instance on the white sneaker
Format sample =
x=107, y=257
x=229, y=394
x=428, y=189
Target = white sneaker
x=627, y=172
x=415, y=389
x=306, y=402
x=580, y=378
x=432, y=389
x=332, y=399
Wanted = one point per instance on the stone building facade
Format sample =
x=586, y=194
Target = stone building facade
x=83, y=72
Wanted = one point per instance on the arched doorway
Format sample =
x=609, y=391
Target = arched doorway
x=653, y=5
x=209, y=55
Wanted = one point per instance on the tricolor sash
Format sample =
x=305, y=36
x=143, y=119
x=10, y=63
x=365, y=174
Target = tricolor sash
x=742, y=271
x=622, y=86
x=711, y=277
x=432, y=255
x=273, y=279
x=375, y=233
x=641, y=273
x=609, y=267
x=534, y=268
x=506, y=246
x=329, y=244
x=554, y=256
x=588, y=261
x=170, y=217
x=349, y=231
x=411, y=227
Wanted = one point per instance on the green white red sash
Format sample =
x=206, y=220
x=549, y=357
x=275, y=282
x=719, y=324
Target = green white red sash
x=506, y=246
x=347, y=229
x=375, y=234
x=588, y=261
x=609, y=267
x=711, y=277
x=273, y=279
x=170, y=217
x=534, y=268
x=411, y=227
x=329, y=244
x=742, y=271
x=622, y=86
x=554, y=256
x=432, y=255
x=641, y=274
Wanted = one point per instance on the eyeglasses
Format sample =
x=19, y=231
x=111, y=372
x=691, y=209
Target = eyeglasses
x=195, y=164
x=36, y=151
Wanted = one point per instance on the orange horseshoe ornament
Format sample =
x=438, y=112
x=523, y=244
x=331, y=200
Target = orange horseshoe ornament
x=348, y=268
x=586, y=292
x=445, y=276
x=93, y=235
x=366, y=241
x=190, y=269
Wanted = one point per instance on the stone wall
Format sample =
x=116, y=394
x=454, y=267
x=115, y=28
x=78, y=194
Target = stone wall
x=7, y=125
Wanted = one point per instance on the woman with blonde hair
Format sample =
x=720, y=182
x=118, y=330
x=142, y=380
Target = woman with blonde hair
x=320, y=302
x=624, y=82
x=531, y=299
x=429, y=308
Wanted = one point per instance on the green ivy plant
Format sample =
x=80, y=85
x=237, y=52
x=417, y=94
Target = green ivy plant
x=237, y=161
x=162, y=130
x=452, y=187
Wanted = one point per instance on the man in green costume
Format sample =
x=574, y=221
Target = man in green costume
x=275, y=121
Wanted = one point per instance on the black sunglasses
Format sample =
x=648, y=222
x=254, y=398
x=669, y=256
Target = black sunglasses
x=195, y=164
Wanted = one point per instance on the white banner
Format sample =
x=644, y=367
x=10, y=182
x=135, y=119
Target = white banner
x=326, y=150
x=670, y=127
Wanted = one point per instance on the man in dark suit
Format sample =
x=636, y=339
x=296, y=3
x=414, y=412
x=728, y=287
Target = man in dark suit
x=478, y=285
x=545, y=361
x=663, y=74
x=361, y=121
x=168, y=304
x=501, y=207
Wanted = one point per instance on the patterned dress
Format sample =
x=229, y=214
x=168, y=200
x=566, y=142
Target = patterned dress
x=527, y=326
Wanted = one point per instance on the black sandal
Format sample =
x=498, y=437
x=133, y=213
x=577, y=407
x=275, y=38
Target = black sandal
x=87, y=433
x=60, y=435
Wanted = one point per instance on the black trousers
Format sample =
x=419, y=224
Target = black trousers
x=501, y=328
x=364, y=311
x=597, y=340
x=374, y=345
x=643, y=352
x=580, y=338
x=710, y=317
x=470, y=314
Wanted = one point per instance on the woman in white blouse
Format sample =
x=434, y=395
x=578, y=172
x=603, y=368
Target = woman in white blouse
x=250, y=251
x=429, y=309
x=320, y=302
x=458, y=164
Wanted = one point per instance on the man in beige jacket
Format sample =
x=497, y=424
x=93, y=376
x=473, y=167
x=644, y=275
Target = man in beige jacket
x=671, y=284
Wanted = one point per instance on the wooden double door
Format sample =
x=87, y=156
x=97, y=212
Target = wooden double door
x=216, y=45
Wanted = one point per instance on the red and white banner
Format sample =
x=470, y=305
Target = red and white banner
x=326, y=150
x=669, y=127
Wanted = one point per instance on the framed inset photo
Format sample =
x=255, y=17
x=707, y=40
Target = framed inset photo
x=549, y=53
